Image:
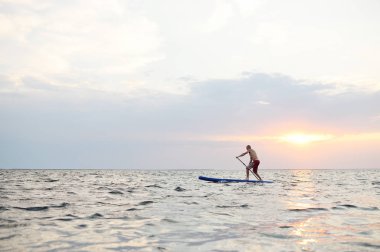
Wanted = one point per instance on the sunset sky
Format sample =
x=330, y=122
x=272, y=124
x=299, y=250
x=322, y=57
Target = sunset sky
x=188, y=84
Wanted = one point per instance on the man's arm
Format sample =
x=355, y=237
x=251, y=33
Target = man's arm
x=242, y=154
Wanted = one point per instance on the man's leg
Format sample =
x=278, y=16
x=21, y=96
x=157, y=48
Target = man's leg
x=258, y=176
x=247, y=173
x=255, y=168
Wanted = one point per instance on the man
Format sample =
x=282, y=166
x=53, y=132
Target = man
x=253, y=162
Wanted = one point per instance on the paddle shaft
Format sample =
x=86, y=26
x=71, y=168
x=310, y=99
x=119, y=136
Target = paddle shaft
x=246, y=167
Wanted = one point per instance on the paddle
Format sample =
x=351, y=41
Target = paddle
x=246, y=167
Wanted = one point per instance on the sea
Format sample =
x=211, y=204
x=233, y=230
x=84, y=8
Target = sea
x=172, y=210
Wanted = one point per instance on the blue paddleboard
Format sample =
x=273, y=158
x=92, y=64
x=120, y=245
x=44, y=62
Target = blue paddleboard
x=223, y=180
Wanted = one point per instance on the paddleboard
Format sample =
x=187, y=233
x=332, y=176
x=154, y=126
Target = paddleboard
x=223, y=180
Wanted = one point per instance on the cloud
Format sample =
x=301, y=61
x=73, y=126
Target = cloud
x=219, y=17
x=123, y=46
x=81, y=40
x=209, y=123
x=248, y=8
x=108, y=80
x=252, y=104
x=5, y=82
x=292, y=103
x=263, y=102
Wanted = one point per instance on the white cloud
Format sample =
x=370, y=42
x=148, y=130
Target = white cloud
x=247, y=8
x=119, y=46
x=84, y=39
x=337, y=46
x=219, y=17
x=263, y=102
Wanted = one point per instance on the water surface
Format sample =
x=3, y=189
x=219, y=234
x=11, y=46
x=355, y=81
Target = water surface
x=120, y=210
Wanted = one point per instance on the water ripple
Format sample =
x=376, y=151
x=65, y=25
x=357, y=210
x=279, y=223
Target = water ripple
x=100, y=210
x=309, y=209
x=39, y=208
x=147, y=202
x=179, y=189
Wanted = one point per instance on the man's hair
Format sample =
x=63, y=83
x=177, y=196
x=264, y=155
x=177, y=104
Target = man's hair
x=248, y=146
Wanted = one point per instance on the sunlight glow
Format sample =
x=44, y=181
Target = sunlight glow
x=295, y=138
x=301, y=138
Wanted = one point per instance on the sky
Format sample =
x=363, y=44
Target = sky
x=143, y=84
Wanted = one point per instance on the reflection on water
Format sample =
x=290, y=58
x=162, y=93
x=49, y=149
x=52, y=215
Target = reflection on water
x=300, y=200
x=308, y=233
x=174, y=211
x=316, y=223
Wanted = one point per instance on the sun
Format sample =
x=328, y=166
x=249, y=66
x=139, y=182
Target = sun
x=303, y=139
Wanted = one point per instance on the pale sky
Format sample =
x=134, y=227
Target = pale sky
x=188, y=84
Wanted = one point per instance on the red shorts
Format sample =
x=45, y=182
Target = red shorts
x=254, y=165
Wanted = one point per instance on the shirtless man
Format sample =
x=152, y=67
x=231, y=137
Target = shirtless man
x=253, y=162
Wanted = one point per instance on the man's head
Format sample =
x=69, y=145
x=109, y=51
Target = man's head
x=248, y=147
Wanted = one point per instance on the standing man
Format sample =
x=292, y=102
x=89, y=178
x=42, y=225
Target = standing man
x=253, y=162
